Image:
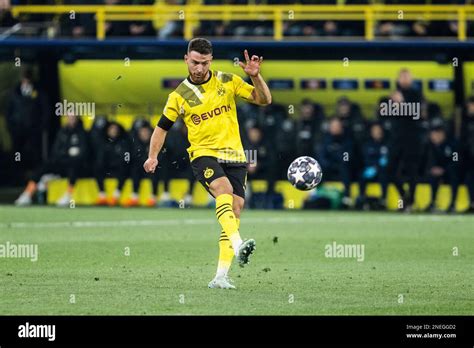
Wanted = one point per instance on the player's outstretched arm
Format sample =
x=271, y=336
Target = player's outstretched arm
x=261, y=94
x=156, y=143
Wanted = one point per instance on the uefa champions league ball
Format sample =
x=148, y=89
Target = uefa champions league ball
x=305, y=173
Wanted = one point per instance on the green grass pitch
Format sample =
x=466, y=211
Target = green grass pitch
x=413, y=264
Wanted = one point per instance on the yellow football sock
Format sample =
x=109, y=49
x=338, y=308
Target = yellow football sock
x=228, y=221
x=226, y=253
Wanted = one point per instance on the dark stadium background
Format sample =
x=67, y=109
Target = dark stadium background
x=45, y=38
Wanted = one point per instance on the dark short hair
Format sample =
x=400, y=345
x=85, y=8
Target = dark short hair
x=343, y=100
x=437, y=125
x=375, y=124
x=437, y=128
x=200, y=45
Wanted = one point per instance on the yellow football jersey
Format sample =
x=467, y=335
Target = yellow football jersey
x=210, y=114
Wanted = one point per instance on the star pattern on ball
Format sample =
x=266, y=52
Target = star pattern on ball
x=304, y=173
x=314, y=168
x=298, y=176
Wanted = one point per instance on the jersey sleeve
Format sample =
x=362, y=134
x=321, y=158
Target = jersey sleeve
x=242, y=88
x=172, y=110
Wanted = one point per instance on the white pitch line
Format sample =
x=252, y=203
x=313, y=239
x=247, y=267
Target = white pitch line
x=252, y=220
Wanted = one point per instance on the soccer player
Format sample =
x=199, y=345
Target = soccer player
x=206, y=102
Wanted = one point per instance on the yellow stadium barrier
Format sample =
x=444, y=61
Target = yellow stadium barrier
x=95, y=80
x=191, y=14
x=87, y=190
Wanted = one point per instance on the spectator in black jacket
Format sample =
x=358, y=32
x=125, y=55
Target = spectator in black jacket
x=407, y=141
x=285, y=150
x=97, y=138
x=68, y=155
x=375, y=160
x=385, y=122
x=174, y=163
x=351, y=117
x=113, y=161
x=97, y=135
x=270, y=118
x=308, y=127
x=141, y=134
x=335, y=156
x=441, y=166
x=27, y=116
x=259, y=155
x=354, y=127
x=261, y=159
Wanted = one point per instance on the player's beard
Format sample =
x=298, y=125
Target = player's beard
x=199, y=78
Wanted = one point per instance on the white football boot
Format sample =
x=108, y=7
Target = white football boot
x=221, y=283
x=23, y=200
x=245, y=250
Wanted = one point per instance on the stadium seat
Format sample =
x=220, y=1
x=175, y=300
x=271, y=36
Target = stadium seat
x=87, y=190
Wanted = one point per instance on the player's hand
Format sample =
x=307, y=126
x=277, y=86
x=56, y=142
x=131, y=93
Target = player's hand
x=251, y=66
x=150, y=165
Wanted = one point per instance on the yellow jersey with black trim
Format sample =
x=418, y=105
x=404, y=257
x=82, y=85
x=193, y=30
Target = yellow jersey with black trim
x=210, y=114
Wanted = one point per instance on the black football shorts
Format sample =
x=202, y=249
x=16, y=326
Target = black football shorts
x=206, y=169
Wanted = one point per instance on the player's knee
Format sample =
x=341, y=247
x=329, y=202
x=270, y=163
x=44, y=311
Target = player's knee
x=221, y=186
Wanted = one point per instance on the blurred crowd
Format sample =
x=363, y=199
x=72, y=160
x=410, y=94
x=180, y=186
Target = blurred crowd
x=83, y=25
x=351, y=148
x=107, y=150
